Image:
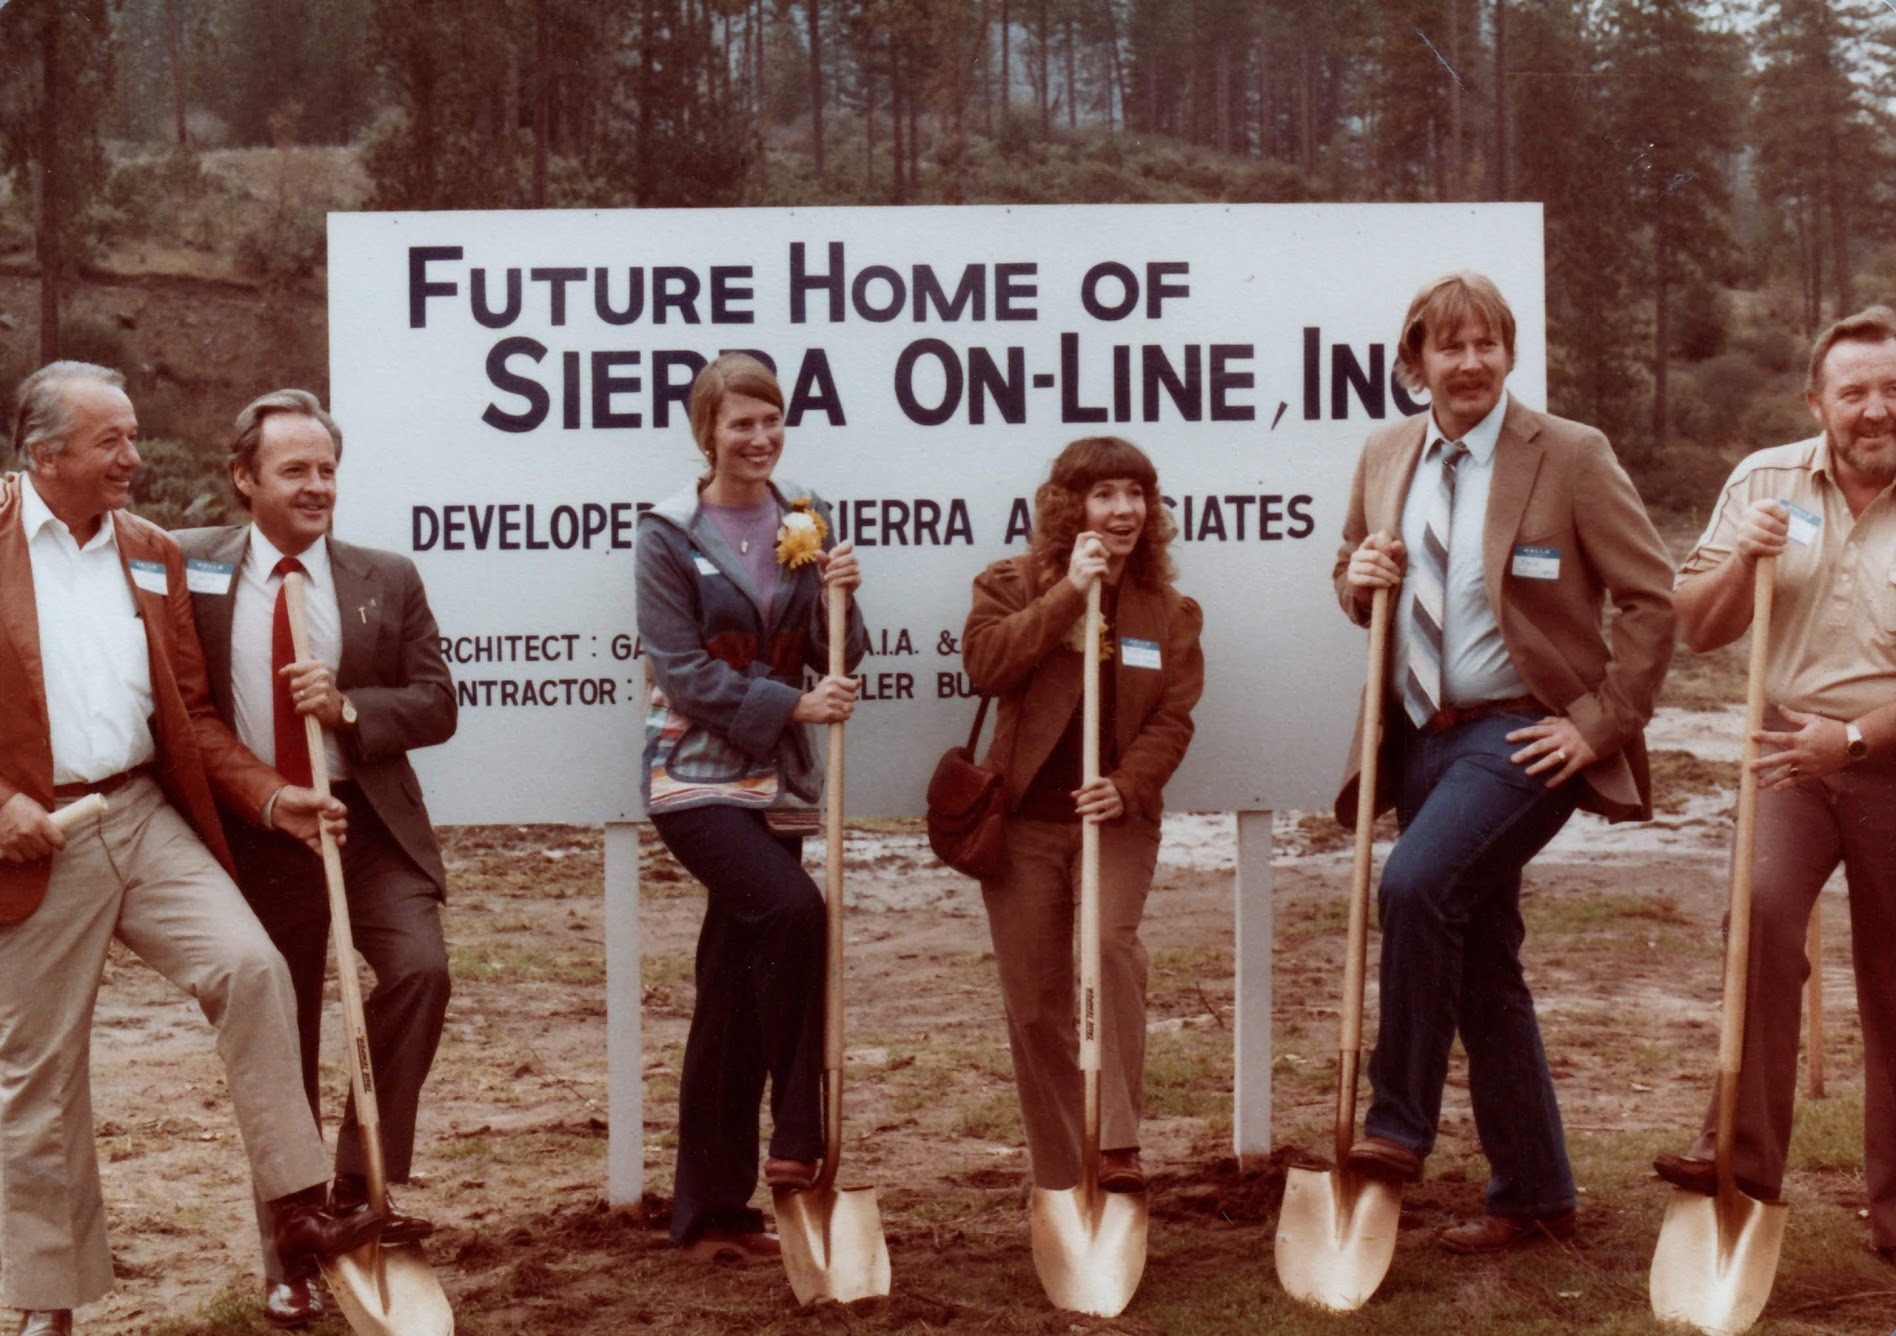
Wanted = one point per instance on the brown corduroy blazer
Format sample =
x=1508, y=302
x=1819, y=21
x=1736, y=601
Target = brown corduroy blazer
x=199, y=761
x=1013, y=649
x=1558, y=485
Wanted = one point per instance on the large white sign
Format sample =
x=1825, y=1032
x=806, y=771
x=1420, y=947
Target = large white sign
x=512, y=387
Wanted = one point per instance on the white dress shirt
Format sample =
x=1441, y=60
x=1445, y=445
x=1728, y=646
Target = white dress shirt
x=253, y=617
x=1475, y=662
x=93, y=653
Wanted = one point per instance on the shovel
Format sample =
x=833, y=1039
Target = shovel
x=382, y=1291
x=832, y=1237
x=1089, y=1245
x=1336, y=1231
x=1717, y=1255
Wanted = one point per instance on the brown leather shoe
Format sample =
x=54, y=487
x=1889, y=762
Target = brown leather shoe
x=46, y=1322
x=350, y=1193
x=305, y=1230
x=1120, y=1171
x=1384, y=1160
x=1698, y=1175
x=1498, y=1233
x=291, y=1304
x=796, y=1175
x=728, y=1245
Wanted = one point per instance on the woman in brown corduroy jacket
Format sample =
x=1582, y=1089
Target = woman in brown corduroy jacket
x=1098, y=516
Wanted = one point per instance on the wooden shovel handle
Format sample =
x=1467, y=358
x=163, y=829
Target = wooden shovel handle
x=1355, y=964
x=354, y=1021
x=833, y=897
x=93, y=804
x=1731, y=1033
x=1089, y=877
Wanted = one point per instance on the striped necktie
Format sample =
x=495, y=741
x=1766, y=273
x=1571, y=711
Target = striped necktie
x=1428, y=583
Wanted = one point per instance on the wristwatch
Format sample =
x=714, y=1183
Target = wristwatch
x=349, y=714
x=1853, y=742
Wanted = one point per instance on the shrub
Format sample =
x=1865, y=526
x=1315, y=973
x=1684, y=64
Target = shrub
x=181, y=485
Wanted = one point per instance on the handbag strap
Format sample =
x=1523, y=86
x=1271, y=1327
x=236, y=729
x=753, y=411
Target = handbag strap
x=974, y=734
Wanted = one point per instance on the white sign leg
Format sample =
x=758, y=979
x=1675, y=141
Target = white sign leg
x=625, y=1061
x=1251, y=1037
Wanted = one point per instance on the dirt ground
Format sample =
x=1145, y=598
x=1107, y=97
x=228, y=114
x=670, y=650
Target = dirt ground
x=1623, y=953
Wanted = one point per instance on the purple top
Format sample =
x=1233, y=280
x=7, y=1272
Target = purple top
x=752, y=533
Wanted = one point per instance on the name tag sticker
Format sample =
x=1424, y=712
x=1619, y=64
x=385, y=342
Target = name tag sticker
x=1536, y=563
x=704, y=564
x=208, y=577
x=149, y=576
x=1138, y=653
x=1804, y=524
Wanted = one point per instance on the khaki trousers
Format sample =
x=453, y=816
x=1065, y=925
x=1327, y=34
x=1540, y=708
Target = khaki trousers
x=1802, y=834
x=139, y=873
x=1033, y=915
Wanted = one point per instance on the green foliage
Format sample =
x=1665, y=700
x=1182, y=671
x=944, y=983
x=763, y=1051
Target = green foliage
x=181, y=485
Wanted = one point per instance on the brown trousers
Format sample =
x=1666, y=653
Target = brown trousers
x=1802, y=834
x=1033, y=914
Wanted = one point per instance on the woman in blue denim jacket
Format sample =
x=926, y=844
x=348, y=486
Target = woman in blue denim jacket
x=734, y=578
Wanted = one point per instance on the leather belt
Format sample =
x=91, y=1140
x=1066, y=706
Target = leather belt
x=1450, y=715
x=110, y=784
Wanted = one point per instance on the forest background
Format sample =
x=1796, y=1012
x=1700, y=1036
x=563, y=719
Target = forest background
x=1716, y=177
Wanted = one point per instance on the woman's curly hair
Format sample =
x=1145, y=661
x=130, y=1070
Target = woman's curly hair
x=1060, y=508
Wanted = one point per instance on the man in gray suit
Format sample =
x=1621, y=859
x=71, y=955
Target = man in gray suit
x=376, y=681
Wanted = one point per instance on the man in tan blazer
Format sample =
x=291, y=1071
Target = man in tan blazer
x=377, y=682
x=104, y=691
x=1500, y=531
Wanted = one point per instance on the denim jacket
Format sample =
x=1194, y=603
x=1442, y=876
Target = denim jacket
x=718, y=726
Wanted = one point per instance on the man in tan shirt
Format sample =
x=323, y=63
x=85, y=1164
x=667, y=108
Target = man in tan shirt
x=1823, y=507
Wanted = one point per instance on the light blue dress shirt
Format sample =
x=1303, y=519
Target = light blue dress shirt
x=1475, y=662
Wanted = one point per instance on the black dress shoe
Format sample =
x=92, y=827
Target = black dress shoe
x=305, y=1230
x=1697, y=1175
x=46, y=1322
x=291, y=1303
x=352, y=1193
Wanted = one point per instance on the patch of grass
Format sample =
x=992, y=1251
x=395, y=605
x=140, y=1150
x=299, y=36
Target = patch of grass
x=1595, y=912
x=1828, y=1133
x=501, y=961
x=990, y=1118
x=1188, y=1074
x=1680, y=775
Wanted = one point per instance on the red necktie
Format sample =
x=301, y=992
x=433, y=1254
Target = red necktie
x=292, y=738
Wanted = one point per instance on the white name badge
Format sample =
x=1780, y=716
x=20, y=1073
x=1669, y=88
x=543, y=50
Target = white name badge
x=149, y=576
x=704, y=564
x=1136, y=653
x=208, y=577
x=1804, y=524
x=1536, y=563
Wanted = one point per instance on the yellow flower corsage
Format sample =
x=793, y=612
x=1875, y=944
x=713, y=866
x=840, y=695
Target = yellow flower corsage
x=800, y=537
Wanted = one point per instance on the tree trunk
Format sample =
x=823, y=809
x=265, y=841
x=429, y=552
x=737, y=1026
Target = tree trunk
x=898, y=161
x=1454, y=174
x=816, y=84
x=542, y=102
x=1223, y=120
x=1501, y=99
x=1007, y=70
x=1115, y=69
x=1306, y=107
x=47, y=231
x=1073, y=82
x=1661, y=323
x=1046, y=74
x=1839, y=230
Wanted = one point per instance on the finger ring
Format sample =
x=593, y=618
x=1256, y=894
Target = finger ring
x=1795, y=772
x=1560, y=757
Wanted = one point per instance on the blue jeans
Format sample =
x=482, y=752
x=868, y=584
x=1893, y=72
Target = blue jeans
x=1450, y=908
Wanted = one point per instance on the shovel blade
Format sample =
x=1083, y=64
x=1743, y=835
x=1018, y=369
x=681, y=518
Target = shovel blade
x=1716, y=1260
x=832, y=1244
x=386, y=1291
x=1089, y=1247
x=1336, y=1234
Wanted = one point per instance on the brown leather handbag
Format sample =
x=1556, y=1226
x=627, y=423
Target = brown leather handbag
x=967, y=808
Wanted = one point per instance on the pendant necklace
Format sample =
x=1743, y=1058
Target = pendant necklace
x=744, y=547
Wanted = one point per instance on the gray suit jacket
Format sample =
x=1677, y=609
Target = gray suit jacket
x=391, y=670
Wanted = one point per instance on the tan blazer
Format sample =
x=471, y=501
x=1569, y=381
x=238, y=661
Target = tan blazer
x=1012, y=648
x=392, y=670
x=1556, y=484
x=200, y=763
